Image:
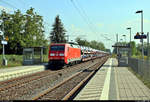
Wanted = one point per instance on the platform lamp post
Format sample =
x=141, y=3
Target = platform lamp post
x=121, y=40
x=124, y=37
x=3, y=40
x=130, y=41
x=148, y=55
x=130, y=33
x=141, y=31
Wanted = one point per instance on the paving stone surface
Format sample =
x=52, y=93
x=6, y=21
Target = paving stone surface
x=129, y=86
x=93, y=90
x=124, y=85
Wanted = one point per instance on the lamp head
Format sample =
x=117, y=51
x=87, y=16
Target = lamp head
x=128, y=28
x=140, y=11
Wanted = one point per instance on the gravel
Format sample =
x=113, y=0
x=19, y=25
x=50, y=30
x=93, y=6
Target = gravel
x=50, y=78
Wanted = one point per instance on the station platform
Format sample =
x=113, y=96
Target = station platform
x=114, y=83
x=13, y=72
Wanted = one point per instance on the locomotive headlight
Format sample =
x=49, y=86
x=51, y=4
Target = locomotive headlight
x=61, y=54
x=52, y=54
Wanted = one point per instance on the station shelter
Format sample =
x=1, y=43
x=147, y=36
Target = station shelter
x=124, y=52
x=33, y=55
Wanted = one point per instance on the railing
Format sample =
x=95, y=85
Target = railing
x=141, y=67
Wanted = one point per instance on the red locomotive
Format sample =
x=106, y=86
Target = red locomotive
x=64, y=54
x=61, y=54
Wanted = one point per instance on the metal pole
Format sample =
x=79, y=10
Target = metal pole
x=3, y=50
x=130, y=51
x=3, y=44
x=142, y=34
x=148, y=55
x=130, y=35
x=142, y=22
x=117, y=43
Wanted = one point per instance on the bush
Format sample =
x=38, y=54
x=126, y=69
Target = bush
x=114, y=56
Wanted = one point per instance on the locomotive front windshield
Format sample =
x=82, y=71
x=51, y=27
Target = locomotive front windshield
x=57, y=48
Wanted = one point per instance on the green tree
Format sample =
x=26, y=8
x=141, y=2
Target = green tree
x=15, y=28
x=80, y=41
x=57, y=34
x=23, y=30
x=133, y=48
x=101, y=46
x=34, y=29
x=97, y=45
x=93, y=44
x=12, y=26
x=139, y=48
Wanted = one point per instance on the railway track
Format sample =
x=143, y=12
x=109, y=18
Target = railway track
x=27, y=78
x=66, y=89
x=26, y=86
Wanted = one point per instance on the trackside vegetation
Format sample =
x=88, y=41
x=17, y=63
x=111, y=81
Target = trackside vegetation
x=22, y=30
x=16, y=60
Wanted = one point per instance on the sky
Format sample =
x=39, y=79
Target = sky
x=98, y=20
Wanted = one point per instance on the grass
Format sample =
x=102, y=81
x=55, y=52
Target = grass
x=12, y=60
x=114, y=56
x=16, y=60
x=45, y=57
x=146, y=82
x=139, y=57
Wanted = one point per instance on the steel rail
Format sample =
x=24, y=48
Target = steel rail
x=77, y=87
x=24, y=78
x=74, y=89
x=51, y=89
x=18, y=78
x=81, y=83
x=19, y=83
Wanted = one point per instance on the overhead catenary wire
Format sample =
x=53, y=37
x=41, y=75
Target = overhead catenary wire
x=8, y=4
x=81, y=14
x=87, y=20
x=22, y=2
x=18, y=8
x=91, y=22
x=15, y=8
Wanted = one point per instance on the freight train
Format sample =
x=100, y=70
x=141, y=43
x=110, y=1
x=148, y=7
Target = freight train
x=66, y=54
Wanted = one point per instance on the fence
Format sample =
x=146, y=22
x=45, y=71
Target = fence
x=142, y=67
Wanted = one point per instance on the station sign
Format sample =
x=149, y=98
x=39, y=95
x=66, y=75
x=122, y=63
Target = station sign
x=138, y=36
x=1, y=33
x=127, y=46
x=4, y=42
